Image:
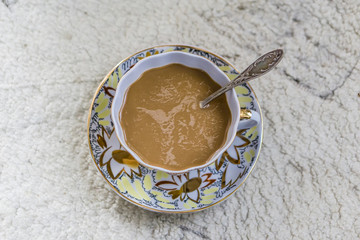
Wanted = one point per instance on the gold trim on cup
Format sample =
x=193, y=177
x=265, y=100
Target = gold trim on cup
x=245, y=114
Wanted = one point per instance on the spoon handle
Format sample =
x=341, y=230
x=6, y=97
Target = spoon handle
x=262, y=65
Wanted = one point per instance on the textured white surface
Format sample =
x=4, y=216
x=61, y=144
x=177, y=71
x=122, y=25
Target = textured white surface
x=53, y=55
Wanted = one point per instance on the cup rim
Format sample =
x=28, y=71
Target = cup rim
x=115, y=115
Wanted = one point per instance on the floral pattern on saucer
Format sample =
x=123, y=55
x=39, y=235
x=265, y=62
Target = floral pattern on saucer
x=156, y=190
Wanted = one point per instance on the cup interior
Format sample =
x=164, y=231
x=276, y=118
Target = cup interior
x=161, y=60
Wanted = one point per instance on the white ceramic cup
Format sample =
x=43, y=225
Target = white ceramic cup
x=252, y=118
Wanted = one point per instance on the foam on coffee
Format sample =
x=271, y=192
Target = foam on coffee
x=163, y=122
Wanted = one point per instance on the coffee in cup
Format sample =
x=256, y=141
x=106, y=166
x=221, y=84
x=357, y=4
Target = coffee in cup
x=163, y=122
x=158, y=119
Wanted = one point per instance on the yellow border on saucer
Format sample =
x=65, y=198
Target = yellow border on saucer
x=119, y=193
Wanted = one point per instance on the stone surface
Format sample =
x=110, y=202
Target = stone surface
x=53, y=55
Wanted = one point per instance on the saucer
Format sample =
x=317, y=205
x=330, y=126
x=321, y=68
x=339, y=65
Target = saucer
x=156, y=190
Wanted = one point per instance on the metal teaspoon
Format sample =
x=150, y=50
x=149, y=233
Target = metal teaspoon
x=262, y=65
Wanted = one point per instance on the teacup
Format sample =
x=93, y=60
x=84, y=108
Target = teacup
x=240, y=118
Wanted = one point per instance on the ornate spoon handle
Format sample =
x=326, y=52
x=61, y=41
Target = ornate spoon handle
x=262, y=65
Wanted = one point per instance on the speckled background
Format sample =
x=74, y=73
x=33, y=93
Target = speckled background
x=54, y=54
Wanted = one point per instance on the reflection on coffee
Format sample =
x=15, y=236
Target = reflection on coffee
x=163, y=122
